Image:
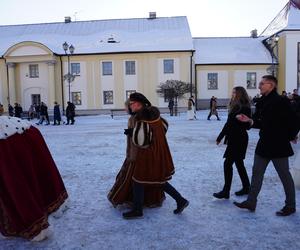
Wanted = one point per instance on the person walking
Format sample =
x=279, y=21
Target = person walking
x=70, y=113
x=31, y=185
x=121, y=192
x=171, y=106
x=153, y=164
x=278, y=126
x=213, y=108
x=191, y=113
x=236, y=136
x=18, y=110
x=10, y=110
x=43, y=114
x=57, y=115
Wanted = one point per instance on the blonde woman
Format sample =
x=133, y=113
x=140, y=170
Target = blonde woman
x=236, y=136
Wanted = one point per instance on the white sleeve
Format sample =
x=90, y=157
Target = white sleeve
x=142, y=134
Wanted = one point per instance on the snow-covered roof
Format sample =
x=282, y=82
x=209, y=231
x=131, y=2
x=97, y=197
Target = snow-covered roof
x=287, y=19
x=231, y=50
x=130, y=35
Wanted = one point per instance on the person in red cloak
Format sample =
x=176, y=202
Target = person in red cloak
x=31, y=187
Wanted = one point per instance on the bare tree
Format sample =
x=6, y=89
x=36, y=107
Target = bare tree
x=174, y=89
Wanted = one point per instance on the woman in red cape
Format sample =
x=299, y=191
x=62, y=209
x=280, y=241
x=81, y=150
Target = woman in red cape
x=31, y=187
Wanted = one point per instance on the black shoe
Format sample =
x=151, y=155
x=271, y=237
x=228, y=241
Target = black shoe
x=243, y=191
x=181, y=206
x=221, y=195
x=286, y=211
x=133, y=214
x=245, y=205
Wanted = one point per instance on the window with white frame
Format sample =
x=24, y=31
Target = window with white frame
x=251, y=80
x=128, y=93
x=75, y=69
x=107, y=68
x=168, y=66
x=76, y=98
x=33, y=70
x=212, y=81
x=130, y=67
x=108, y=97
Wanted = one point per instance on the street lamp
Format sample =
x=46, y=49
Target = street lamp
x=273, y=43
x=69, y=76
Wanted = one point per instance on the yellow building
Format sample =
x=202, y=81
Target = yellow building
x=111, y=59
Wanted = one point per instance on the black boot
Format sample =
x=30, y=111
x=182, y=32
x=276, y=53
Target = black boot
x=133, y=214
x=245, y=205
x=286, y=211
x=222, y=195
x=181, y=202
x=181, y=206
x=138, y=200
x=243, y=191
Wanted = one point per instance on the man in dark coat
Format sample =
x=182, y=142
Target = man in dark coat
x=171, y=106
x=57, y=116
x=153, y=160
x=44, y=114
x=70, y=113
x=278, y=126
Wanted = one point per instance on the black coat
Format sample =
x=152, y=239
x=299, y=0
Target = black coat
x=236, y=135
x=278, y=125
x=70, y=110
x=57, y=115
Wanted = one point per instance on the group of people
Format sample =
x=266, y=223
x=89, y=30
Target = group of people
x=144, y=176
x=279, y=126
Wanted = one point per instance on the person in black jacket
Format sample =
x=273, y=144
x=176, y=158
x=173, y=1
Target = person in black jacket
x=57, y=116
x=43, y=114
x=70, y=113
x=278, y=126
x=236, y=136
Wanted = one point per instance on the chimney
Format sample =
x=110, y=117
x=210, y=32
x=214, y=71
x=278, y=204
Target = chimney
x=67, y=19
x=152, y=15
x=253, y=33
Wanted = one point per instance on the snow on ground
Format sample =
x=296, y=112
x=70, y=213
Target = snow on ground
x=89, y=155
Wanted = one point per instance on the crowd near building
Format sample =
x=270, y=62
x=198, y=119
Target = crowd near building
x=97, y=64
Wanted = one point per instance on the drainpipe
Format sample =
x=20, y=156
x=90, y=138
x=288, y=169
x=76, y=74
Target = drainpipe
x=191, y=78
x=62, y=86
x=7, y=77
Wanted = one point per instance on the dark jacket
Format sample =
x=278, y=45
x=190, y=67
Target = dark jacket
x=278, y=125
x=70, y=110
x=236, y=134
x=57, y=116
x=44, y=110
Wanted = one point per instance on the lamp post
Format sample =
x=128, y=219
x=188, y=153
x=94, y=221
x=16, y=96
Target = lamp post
x=274, y=44
x=69, y=76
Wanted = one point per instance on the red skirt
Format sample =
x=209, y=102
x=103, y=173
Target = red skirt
x=30, y=185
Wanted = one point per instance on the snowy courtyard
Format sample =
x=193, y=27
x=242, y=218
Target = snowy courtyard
x=90, y=154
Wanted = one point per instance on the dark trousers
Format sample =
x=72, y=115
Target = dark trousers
x=210, y=114
x=282, y=168
x=70, y=118
x=171, y=111
x=228, y=172
x=138, y=194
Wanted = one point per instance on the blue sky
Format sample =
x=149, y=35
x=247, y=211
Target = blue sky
x=206, y=17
